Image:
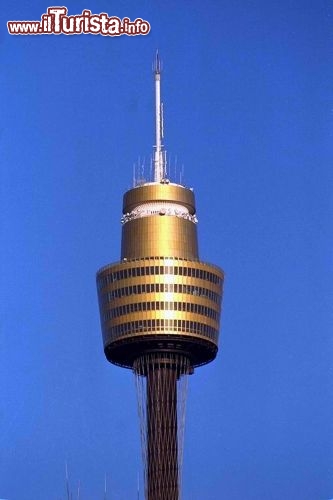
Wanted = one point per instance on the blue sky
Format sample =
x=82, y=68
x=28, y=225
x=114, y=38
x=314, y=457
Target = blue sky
x=248, y=98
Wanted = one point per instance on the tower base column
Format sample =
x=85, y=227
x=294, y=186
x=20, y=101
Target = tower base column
x=162, y=386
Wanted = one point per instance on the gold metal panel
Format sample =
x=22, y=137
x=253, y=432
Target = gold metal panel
x=160, y=297
x=166, y=260
x=118, y=276
x=109, y=336
x=130, y=336
x=164, y=279
x=160, y=235
x=172, y=193
x=166, y=314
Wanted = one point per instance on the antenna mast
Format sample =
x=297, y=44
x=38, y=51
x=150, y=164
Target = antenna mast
x=67, y=483
x=105, y=492
x=159, y=160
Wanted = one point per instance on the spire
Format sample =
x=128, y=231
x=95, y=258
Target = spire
x=157, y=63
x=159, y=154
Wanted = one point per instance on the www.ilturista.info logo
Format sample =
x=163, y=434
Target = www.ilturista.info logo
x=56, y=21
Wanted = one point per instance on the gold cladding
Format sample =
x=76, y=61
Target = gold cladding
x=159, y=235
x=167, y=269
x=159, y=253
x=148, y=193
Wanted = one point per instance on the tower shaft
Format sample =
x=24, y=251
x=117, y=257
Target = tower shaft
x=162, y=431
x=162, y=385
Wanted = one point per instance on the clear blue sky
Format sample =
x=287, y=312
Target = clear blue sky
x=248, y=98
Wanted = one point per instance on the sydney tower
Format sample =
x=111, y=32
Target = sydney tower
x=160, y=310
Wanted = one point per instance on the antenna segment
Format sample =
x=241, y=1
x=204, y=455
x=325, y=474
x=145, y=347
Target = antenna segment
x=159, y=157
